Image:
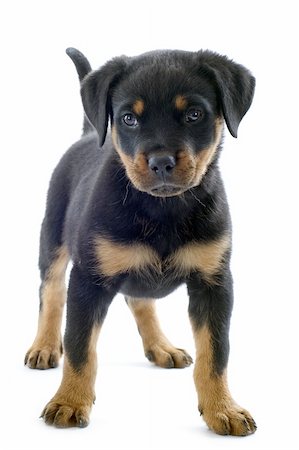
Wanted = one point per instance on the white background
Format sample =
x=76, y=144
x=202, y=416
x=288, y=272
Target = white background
x=139, y=406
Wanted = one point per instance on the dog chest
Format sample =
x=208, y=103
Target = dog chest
x=114, y=258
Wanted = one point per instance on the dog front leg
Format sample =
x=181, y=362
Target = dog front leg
x=210, y=309
x=87, y=306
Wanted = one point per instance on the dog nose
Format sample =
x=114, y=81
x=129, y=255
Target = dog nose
x=162, y=165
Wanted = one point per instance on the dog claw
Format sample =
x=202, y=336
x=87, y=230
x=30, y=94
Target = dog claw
x=150, y=356
x=82, y=423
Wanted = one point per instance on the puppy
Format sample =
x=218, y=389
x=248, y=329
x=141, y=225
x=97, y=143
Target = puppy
x=141, y=210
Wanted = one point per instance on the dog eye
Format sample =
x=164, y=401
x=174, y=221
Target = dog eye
x=193, y=115
x=130, y=120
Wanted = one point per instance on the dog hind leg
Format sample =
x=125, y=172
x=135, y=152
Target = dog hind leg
x=46, y=349
x=157, y=347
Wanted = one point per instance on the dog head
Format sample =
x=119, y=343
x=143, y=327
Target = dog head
x=167, y=110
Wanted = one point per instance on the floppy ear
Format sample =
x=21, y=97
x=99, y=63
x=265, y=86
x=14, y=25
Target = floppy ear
x=95, y=92
x=235, y=87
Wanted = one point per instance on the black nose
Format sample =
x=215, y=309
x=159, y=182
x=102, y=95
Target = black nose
x=162, y=165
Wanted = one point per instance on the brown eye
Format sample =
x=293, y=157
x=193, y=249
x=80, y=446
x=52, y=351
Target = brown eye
x=130, y=120
x=193, y=115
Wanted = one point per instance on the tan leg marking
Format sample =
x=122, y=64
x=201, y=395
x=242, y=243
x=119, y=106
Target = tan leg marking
x=157, y=347
x=218, y=408
x=46, y=349
x=72, y=403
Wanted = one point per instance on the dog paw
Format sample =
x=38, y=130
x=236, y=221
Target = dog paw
x=64, y=415
x=231, y=420
x=43, y=357
x=168, y=357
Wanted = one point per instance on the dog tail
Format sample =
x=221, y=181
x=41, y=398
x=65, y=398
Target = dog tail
x=83, y=68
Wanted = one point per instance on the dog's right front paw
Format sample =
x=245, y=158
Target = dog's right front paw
x=63, y=415
x=43, y=356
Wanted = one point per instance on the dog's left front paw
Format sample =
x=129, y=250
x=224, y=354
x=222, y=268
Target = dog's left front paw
x=230, y=420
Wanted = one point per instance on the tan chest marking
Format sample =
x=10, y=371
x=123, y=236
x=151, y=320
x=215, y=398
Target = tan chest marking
x=114, y=258
x=206, y=258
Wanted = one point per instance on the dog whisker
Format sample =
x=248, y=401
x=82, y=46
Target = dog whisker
x=127, y=192
x=196, y=198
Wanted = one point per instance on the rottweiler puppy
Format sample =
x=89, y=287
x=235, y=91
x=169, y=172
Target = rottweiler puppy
x=140, y=210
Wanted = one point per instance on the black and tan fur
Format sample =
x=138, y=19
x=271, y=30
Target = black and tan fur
x=140, y=211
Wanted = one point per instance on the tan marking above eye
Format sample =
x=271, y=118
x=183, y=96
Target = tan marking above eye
x=180, y=102
x=138, y=107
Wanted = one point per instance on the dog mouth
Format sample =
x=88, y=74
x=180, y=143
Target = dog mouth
x=166, y=190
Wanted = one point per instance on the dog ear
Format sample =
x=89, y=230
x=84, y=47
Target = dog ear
x=235, y=86
x=95, y=92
